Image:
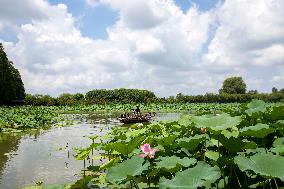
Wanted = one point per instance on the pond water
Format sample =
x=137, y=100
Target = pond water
x=48, y=155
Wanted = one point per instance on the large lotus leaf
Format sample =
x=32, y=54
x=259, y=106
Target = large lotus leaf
x=185, y=121
x=212, y=155
x=277, y=113
x=256, y=106
x=228, y=134
x=264, y=164
x=278, y=145
x=200, y=175
x=259, y=130
x=125, y=147
x=217, y=123
x=134, y=133
x=166, y=140
x=174, y=161
x=128, y=168
x=191, y=143
x=279, y=142
x=232, y=144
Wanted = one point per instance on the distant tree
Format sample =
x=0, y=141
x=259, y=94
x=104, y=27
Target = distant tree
x=281, y=90
x=11, y=84
x=78, y=96
x=253, y=92
x=65, y=99
x=233, y=85
x=274, y=90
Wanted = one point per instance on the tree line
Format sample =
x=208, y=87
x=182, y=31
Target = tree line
x=142, y=96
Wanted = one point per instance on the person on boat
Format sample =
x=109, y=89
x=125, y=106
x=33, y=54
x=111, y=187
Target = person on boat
x=137, y=110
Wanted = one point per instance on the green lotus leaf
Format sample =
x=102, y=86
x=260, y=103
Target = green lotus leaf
x=173, y=161
x=128, y=168
x=256, y=106
x=217, y=123
x=134, y=133
x=278, y=145
x=185, y=121
x=124, y=147
x=191, y=143
x=200, y=175
x=277, y=113
x=232, y=144
x=228, y=134
x=259, y=130
x=264, y=164
x=212, y=155
x=279, y=142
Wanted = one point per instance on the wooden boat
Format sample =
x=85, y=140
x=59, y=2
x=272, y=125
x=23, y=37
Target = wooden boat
x=135, y=120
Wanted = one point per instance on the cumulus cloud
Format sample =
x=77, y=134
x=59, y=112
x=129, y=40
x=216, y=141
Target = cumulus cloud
x=249, y=32
x=153, y=45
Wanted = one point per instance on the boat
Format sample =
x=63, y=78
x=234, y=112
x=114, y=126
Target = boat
x=135, y=120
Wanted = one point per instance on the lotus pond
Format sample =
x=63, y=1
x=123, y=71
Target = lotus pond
x=206, y=146
x=47, y=155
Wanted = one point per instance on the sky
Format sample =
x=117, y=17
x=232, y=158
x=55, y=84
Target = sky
x=165, y=46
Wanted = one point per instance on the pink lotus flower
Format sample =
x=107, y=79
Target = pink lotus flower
x=146, y=149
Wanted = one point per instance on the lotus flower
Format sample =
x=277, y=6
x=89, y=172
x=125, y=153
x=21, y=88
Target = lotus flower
x=146, y=149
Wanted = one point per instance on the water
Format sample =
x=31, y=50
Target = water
x=48, y=155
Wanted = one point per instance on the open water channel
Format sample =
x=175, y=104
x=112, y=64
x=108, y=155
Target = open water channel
x=48, y=155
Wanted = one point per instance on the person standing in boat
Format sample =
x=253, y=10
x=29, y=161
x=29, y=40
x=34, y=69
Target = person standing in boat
x=137, y=110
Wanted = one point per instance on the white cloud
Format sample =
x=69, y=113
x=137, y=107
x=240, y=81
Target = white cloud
x=92, y=3
x=154, y=45
x=248, y=32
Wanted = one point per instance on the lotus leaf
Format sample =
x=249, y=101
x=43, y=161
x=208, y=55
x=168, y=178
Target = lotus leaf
x=173, y=161
x=259, y=130
x=129, y=168
x=200, y=175
x=264, y=164
x=256, y=106
x=217, y=123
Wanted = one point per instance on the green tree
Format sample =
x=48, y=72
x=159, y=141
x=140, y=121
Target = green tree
x=11, y=85
x=274, y=90
x=233, y=85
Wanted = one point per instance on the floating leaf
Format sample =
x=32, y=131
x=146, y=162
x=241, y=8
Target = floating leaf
x=264, y=164
x=256, y=106
x=212, y=155
x=277, y=113
x=232, y=144
x=217, y=123
x=200, y=175
x=259, y=130
x=128, y=168
x=278, y=145
x=191, y=143
x=174, y=161
x=185, y=121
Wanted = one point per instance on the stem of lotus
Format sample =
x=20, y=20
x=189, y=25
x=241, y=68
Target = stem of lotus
x=237, y=178
x=270, y=183
x=276, y=184
x=93, y=154
x=131, y=184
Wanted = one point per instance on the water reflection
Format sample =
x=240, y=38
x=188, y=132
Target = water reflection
x=48, y=155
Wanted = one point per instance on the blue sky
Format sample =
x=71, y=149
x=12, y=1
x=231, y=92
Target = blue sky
x=166, y=46
x=93, y=21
